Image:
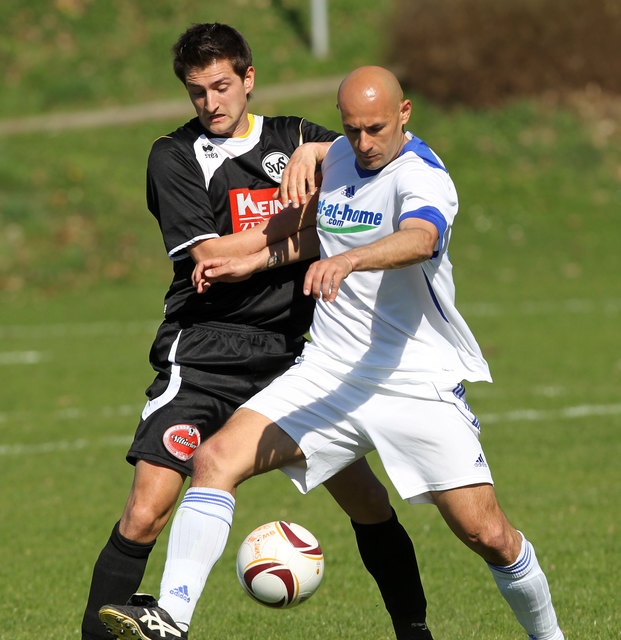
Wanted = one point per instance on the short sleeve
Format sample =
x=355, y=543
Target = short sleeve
x=311, y=132
x=177, y=197
x=428, y=193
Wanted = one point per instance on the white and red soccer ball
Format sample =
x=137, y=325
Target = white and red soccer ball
x=280, y=564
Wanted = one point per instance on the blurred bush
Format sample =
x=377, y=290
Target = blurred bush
x=485, y=52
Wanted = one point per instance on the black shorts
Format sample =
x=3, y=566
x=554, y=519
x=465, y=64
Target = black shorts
x=204, y=372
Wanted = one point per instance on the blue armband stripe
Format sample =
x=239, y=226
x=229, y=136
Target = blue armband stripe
x=433, y=215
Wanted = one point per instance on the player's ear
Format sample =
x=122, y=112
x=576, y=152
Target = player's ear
x=405, y=111
x=249, y=80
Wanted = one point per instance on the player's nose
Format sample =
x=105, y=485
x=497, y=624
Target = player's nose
x=211, y=102
x=365, y=143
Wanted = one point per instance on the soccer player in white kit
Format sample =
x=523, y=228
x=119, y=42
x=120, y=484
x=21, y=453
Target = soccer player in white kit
x=384, y=369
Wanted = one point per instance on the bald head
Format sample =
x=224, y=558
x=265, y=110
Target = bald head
x=371, y=85
x=374, y=114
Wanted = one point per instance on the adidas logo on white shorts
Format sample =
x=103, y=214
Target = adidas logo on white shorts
x=480, y=462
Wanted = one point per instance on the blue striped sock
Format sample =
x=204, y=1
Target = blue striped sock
x=525, y=587
x=197, y=539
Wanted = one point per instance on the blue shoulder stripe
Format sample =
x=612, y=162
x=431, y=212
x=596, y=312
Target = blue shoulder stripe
x=420, y=148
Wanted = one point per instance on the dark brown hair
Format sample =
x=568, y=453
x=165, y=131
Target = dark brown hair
x=204, y=44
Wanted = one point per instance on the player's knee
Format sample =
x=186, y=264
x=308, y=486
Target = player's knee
x=378, y=502
x=493, y=541
x=143, y=522
x=491, y=537
x=371, y=506
x=206, y=459
x=214, y=463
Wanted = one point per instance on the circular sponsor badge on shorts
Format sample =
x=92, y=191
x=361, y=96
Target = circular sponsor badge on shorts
x=182, y=440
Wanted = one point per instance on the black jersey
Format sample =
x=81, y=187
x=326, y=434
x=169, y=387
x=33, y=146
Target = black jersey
x=200, y=187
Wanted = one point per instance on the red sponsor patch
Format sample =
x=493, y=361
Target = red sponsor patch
x=250, y=207
x=182, y=440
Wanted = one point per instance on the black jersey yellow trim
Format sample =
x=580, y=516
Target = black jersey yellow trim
x=301, y=141
x=250, y=126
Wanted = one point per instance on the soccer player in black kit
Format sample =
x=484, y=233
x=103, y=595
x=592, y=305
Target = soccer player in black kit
x=210, y=178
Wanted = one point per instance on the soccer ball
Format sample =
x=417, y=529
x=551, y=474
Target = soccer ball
x=280, y=564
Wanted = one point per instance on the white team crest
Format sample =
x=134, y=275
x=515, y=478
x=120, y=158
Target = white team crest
x=274, y=163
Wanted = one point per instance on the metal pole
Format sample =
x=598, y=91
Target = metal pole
x=319, y=27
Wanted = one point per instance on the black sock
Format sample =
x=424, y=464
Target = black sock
x=117, y=575
x=388, y=554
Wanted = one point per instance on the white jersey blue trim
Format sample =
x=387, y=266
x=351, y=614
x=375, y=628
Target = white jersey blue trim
x=460, y=393
x=422, y=150
x=398, y=326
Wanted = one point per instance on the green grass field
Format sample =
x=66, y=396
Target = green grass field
x=73, y=373
x=82, y=278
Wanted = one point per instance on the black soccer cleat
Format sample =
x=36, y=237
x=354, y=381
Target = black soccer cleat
x=140, y=618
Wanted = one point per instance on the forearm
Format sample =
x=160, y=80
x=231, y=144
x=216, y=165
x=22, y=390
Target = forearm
x=401, y=249
x=303, y=245
x=278, y=227
x=414, y=242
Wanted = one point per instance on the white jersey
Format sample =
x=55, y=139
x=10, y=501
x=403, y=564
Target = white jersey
x=395, y=327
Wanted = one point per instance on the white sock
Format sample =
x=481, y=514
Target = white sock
x=524, y=586
x=197, y=539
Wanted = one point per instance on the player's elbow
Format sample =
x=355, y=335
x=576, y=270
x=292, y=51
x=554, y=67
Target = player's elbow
x=428, y=241
x=421, y=240
x=426, y=253
x=420, y=253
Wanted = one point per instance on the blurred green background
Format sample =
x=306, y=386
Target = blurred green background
x=83, y=272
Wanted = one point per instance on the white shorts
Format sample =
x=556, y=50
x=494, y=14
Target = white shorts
x=427, y=442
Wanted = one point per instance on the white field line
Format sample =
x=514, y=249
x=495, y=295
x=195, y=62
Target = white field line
x=75, y=413
x=575, y=306
x=520, y=415
x=64, y=445
x=10, y=358
x=611, y=306
x=470, y=310
x=72, y=413
x=77, y=329
x=539, y=415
